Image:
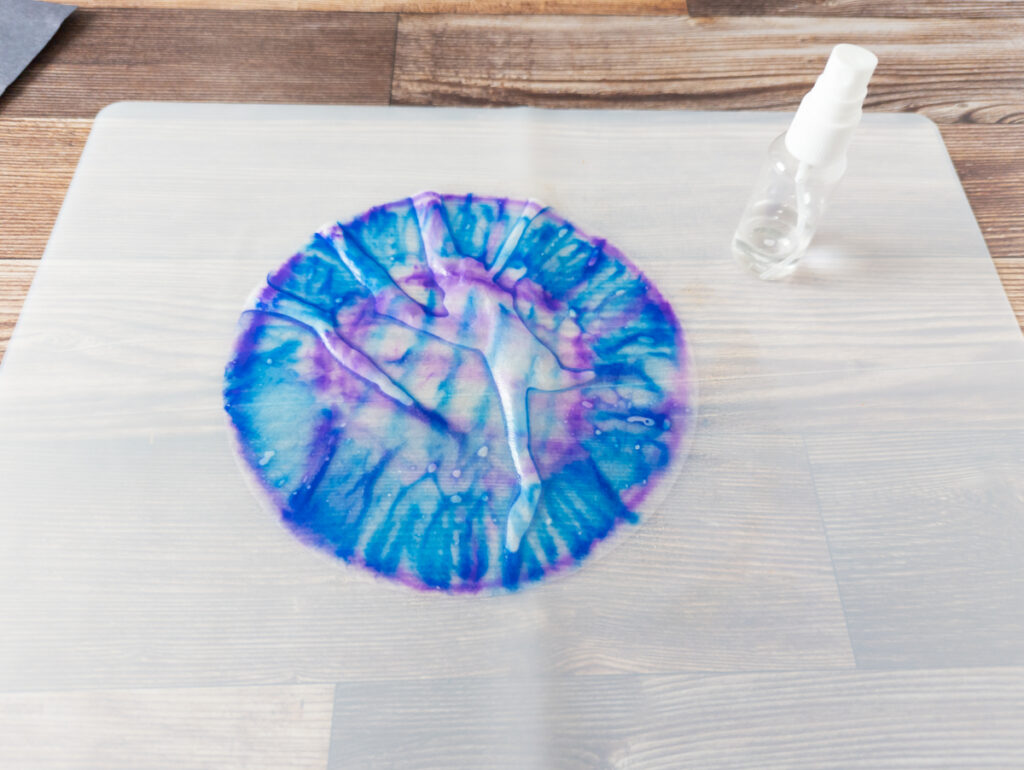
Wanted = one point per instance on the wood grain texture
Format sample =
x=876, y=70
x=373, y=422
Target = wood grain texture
x=37, y=160
x=721, y=63
x=107, y=55
x=207, y=587
x=929, y=568
x=15, y=278
x=677, y=595
x=990, y=163
x=1011, y=273
x=115, y=388
x=263, y=728
x=967, y=718
x=202, y=587
x=589, y=7
x=918, y=9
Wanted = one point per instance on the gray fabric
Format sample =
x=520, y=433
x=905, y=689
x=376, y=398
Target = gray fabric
x=25, y=27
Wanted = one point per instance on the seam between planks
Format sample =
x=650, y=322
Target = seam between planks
x=828, y=546
x=394, y=61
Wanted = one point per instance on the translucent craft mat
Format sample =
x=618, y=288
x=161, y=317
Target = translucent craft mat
x=852, y=501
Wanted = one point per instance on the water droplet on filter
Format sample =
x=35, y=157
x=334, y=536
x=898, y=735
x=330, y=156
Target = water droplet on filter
x=597, y=431
x=432, y=467
x=636, y=446
x=482, y=452
x=456, y=473
x=270, y=360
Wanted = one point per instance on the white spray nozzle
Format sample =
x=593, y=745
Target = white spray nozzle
x=848, y=71
x=829, y=113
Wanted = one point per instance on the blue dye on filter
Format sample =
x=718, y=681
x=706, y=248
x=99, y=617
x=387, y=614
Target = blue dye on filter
x=458, y=392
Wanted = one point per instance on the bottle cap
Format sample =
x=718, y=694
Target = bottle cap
x=828, y=114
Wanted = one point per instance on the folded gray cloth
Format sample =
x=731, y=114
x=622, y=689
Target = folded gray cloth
x=25, y=27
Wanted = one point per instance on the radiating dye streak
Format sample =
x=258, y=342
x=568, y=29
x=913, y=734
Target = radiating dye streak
x=458, y=392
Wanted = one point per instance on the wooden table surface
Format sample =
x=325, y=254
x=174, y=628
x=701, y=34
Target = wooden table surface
x=959, y=62
x=966, y=74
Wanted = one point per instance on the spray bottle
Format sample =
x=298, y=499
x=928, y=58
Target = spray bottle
x=803, y=167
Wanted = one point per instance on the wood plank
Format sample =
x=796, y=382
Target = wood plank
x=907, y=719
x=1011, y=273
x=721, y=63
x=38, y=157
x=961, y=9
x=990, y=162
x=929, y=568
x=104, y=55
x=286, y=727
x=37, y=160
x=15, y=278
x=736, y=578
x=591, y=7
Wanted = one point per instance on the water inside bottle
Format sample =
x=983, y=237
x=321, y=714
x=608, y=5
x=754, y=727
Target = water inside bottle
x=767, y=242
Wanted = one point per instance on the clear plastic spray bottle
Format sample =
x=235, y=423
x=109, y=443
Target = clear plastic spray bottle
x=803, y=167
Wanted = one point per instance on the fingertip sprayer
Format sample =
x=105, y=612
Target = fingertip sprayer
x=803, y=167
